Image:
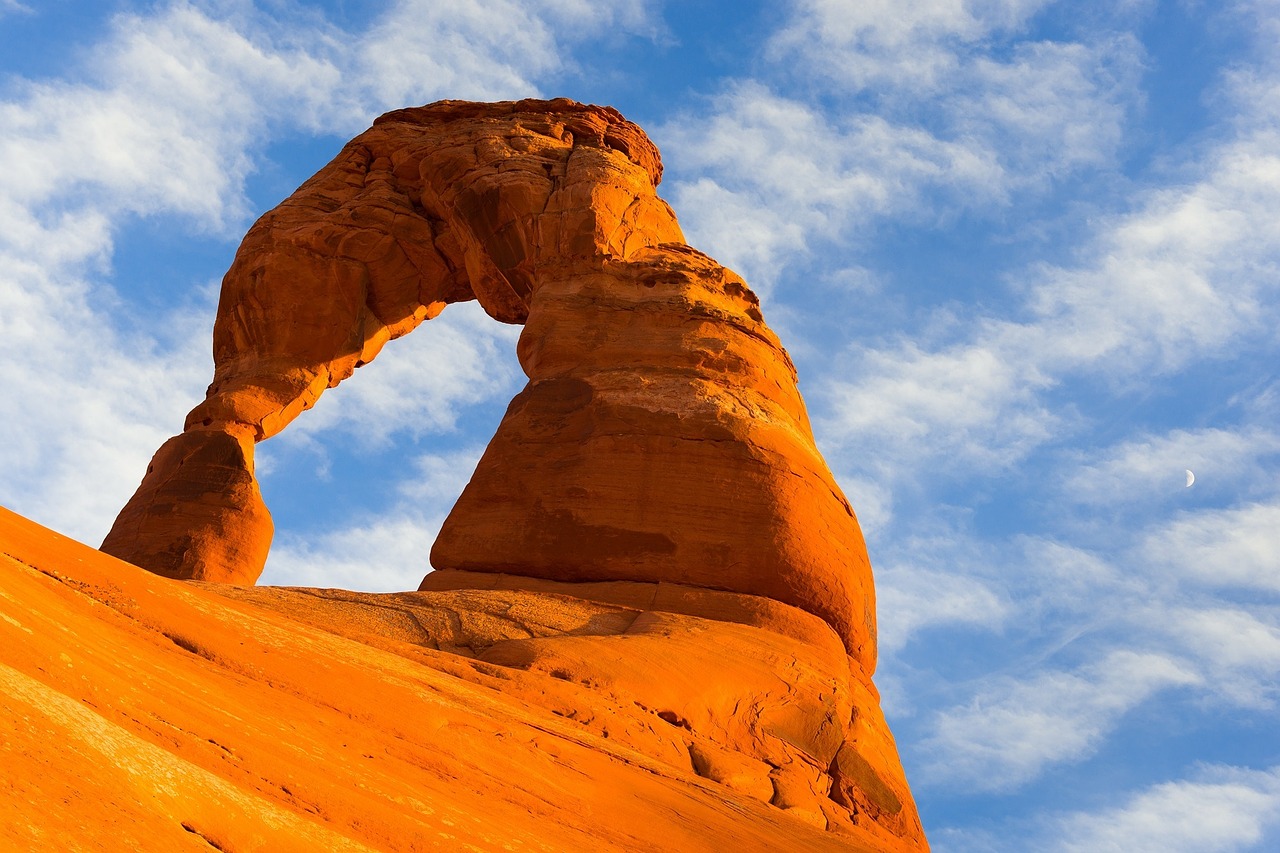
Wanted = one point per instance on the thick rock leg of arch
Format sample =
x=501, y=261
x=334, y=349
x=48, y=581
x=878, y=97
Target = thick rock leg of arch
x=224, y=535
x=662, y=437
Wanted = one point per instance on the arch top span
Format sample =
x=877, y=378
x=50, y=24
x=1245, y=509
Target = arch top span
x=661, y=437
x=597, y=126
x=432, y=205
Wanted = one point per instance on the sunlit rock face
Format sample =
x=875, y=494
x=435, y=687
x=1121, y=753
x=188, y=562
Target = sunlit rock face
x=653, y=496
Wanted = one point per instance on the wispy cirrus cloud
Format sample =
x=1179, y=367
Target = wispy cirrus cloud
x=767, y=179
x=916, y=46
x=383, y=553
x=939, y=111
x=1236, y=547
x=1237, y=650
x=973, y=73
x=386, y=551
x=418, y=385
x=1148, y=615
x=1218, y=810
x=776, y=174
x=12, y=7
x=160, y=120
x=1214, y=808
x=1050, y=108
x=1015, y=728
x=965, y=406
x=1141, y=467
x=962, y=119
x=1187, y=275
x=912, y=599
x=1043, y=575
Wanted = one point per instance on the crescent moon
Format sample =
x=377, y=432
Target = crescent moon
x=1191, y=478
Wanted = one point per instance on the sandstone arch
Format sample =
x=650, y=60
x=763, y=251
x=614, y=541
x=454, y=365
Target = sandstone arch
x=661, y=437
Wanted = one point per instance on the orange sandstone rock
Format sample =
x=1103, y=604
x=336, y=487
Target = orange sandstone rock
x=661, y=437
x=653, y=495
x=140, y=713
x=198, y=513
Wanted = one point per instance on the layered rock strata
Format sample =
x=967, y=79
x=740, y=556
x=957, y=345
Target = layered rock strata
x=137, y=713
x=661, y=436
x=659, y=465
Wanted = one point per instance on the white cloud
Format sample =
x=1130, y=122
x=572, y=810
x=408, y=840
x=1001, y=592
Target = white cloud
x=1240, y=652
x=484, y=50
x=162, y=129
x=884, y=44
x=9, y=7
x=1182, y=277
x=773, y=172
x=1065, y=578
x=438, y=478
x=928, y=109
x=1052, y=108
x=1013, y=729
x=960, y=121
x=751, y=239
x=87, y=404
x=422, y=49
x=1227, y=548
x=1216, y=809
x=1147, y=627
x=418, y=384
x=387, y=552
x=873, y=500
x=1224, y=809
x=1190, y=274
x=799, y=157
x=170, y=108
x=164, y=126
x=1146, y=469
x=1187, y=273
x=910, y=599
x=966, y=406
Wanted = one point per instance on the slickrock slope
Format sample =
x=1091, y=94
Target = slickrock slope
x=142, y=713
x=651, y=551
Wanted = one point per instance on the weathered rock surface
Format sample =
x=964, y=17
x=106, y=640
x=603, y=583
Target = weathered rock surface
x=661, y=436
x=199, y=511
x=139, y=713
x=651, y=551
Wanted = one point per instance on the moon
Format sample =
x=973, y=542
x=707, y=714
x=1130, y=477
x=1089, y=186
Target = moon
x=1191, y=478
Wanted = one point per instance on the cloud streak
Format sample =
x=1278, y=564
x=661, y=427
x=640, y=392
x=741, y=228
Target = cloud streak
x=1015, y=728
x=1221, y=809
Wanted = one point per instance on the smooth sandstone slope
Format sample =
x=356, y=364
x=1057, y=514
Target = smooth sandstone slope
x=139, y=712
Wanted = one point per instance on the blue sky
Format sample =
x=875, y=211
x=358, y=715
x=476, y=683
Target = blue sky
x=1025, y=254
